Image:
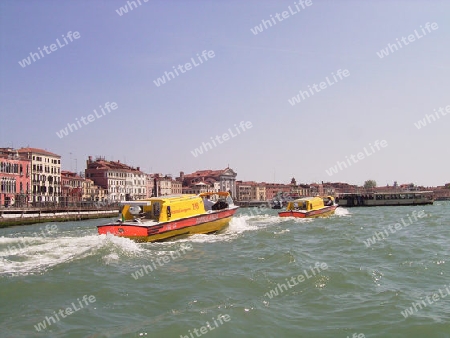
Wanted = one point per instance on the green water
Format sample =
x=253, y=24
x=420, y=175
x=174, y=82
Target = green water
x=230, y=280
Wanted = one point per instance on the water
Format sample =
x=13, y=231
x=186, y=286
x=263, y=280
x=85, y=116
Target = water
x=230, y=280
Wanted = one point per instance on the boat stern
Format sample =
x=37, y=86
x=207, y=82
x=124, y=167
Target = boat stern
x=122, y=230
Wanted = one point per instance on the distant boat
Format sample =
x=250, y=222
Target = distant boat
x=310, y=207
x=160, y=218
x=386, y=199
x=277, y=204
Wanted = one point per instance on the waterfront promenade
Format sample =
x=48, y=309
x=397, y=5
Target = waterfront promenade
x=23, y=216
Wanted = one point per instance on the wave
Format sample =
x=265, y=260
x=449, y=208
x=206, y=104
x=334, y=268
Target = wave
x=32, y=255
x=340, y=211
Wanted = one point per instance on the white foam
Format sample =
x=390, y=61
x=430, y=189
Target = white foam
x=342, y=212
x=44, y=253
x=237, y=226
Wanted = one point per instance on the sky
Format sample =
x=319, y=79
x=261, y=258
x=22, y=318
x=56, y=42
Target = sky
x=364, y=73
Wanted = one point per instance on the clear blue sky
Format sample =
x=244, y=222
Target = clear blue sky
x=251, y=77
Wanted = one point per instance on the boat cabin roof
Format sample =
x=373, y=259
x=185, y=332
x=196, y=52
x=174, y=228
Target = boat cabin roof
x=173, y=198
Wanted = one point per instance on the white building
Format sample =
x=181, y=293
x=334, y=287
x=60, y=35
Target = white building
x=45, y=175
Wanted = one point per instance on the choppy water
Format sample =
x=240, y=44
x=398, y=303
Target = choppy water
x=230, y=280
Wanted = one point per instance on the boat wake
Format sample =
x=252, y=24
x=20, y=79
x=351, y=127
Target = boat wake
x=27, y=255
x=237, y=226
x=34, y=255
x=342, y=212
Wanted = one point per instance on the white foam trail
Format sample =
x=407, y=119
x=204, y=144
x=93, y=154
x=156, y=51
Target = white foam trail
x=264, y=220
x=24, y=257
x=237, y=226
x=342, y=212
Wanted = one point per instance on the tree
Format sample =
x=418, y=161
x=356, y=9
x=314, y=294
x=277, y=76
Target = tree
x=370, y=184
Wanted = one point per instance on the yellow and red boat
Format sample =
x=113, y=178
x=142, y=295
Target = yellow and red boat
x=309, y=207
x=160, y=218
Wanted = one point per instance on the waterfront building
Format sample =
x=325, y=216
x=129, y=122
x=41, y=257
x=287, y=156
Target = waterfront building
x=276, y=189
x=71, y=189
x=149, y=185
x=250, y=191
x=121, y=182
x=15, y=178
x=163, y=184
x=177, y=187
x=198, y=188
x=340, y=187
x=88, y=191
x=92, y=192
x=442, y=192
x=225, y=179
x=45, y=175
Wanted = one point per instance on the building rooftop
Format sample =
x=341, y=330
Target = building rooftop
x=37, y=151
x=100, y=164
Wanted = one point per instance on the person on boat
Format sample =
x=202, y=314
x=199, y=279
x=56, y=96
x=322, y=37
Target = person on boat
x=207, y=203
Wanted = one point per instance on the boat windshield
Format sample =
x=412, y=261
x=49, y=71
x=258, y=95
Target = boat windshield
x=299, y=205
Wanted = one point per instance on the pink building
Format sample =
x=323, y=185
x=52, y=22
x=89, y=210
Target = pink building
x=274, y=189
x=15, y=178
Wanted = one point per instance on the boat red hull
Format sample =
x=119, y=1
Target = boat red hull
x=326, y=211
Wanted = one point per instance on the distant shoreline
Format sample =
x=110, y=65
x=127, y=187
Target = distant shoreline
x=10, y=218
